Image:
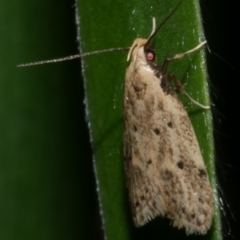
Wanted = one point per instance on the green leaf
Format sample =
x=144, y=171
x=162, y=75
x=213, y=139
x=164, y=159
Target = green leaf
x=106, y=25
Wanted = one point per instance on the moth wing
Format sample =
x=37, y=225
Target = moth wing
x=165, y=172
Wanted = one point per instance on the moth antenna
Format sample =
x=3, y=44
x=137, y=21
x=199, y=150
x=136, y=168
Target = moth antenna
x=73, y=57
x=153, y=33
x=49, y=61
x=153, y=26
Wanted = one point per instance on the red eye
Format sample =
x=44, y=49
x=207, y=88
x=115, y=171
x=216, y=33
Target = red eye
x=150, y=56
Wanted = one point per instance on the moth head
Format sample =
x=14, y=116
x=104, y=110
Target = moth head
x=140, y=42
x=146, y=43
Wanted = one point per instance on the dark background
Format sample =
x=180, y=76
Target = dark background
x=220, y=24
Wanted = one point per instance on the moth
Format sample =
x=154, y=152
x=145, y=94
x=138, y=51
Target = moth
x=165, y=171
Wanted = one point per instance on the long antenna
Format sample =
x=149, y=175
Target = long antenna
x=73, y=57
x=100, y=51
x=164, y=21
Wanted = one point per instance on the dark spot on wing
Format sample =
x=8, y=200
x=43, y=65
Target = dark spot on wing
x=134, y=128
x=170, y=124
x=202, y=173
x=180, y=164
x=149, y=162
x=156, y=130
x=167, y=193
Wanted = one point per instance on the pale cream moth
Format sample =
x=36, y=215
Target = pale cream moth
x=165, y=171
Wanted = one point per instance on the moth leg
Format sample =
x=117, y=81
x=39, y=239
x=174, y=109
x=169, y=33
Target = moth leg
x=179, y=56
x=180, y=87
